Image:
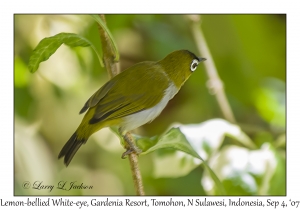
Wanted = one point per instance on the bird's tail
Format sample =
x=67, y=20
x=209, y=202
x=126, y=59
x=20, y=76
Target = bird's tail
x=70, y=148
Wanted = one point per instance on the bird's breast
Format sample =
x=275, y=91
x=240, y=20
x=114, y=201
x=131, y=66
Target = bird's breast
x=138, y=119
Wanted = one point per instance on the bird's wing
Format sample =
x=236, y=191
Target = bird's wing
x=97, y=96
x=126, y=94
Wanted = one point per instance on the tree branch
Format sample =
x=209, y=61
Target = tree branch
x=136, y=174
x=113, y=69
x=214, y=84
x=109, y=55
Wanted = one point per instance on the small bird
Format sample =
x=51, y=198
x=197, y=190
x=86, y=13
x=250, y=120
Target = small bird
x=132, y=98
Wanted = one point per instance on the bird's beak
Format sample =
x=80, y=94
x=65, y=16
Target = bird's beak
x=201, y=59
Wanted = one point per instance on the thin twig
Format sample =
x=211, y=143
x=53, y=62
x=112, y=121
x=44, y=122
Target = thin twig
x=137, y=178
x=113, y=69
x=214, y=84
x=109, y=56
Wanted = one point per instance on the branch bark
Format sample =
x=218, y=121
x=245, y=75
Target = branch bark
x=214, y=84
x=113, y=69
x=136, y=173
x=109, y=55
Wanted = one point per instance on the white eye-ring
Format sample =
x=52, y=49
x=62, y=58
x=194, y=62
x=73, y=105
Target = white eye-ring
x=194, y=64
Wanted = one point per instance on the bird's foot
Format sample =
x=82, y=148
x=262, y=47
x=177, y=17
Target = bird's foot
x=131, y=150
x=130, y=147
x=129, y=144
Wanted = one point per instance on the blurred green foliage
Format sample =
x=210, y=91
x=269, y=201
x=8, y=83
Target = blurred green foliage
x=249, y=52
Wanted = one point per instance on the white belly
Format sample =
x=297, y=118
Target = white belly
x=136, y=120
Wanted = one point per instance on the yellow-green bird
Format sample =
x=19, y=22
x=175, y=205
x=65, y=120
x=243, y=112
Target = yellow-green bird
x=133, y=98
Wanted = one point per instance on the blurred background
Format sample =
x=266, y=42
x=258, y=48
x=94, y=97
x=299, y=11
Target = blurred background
x=249, y=52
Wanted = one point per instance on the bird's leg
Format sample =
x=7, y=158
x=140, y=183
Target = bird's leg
x=129, y=145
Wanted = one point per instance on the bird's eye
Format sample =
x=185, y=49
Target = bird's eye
x=194, y=64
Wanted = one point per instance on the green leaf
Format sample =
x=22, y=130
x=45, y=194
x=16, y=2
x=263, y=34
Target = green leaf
x=173, y=164
x=49, y=45
x=103, y=25
x=173, y=139
x=143, y=143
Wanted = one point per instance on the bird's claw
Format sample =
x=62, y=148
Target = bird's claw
x=131, y=150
